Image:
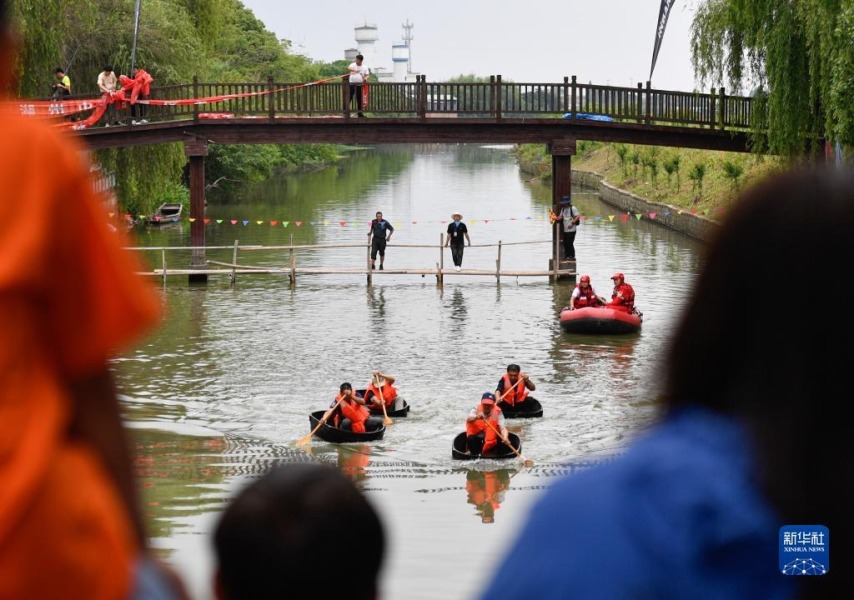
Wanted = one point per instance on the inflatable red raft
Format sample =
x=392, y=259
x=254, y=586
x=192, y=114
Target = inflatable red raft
x=599, y=320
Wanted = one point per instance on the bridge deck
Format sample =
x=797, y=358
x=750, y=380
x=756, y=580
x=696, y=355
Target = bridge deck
x=399, y=112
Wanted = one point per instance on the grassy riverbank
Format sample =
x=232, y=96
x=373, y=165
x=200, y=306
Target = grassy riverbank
x=700, y=180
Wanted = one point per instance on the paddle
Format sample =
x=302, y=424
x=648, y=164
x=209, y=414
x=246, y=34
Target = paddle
x=386, y=419
x=304, y=440
x=525, y=461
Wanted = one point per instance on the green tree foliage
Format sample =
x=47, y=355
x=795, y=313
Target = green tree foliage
x=233, y=166
x=236, y=165
x=145, y=175
x=733, y=171
x=43, y=49
x=696, y=175
x=671, y=167
x=246, y=51
x=798, y=53
x=650, y=161
x=209, y=17
x=622, y=154
x=468, y=79
x=216, y=40
x=842, y=86
x=635, y=159
x=338, y=67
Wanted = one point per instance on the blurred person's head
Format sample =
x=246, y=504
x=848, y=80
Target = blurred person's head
x=765, y=337
x=294, y=524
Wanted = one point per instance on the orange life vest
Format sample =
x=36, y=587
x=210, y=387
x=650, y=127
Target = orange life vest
x=335, y=417
x=389, y=393
x=513, y=394
x=357, y=413
x=475, y=427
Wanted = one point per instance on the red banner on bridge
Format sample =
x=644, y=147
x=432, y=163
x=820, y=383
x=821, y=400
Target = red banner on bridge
x=126, y=94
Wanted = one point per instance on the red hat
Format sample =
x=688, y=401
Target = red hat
x=585, y=278
x=487, y=398
x=617, y=276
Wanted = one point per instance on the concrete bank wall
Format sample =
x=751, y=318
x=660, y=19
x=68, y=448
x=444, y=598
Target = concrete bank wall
x=696, y=226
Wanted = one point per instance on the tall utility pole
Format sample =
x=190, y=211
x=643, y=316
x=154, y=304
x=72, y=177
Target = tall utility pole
x=407, y=39
x=135, y=36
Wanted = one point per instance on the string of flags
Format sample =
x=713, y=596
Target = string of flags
x=611, y=218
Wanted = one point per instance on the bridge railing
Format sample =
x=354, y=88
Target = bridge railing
x=496, y=99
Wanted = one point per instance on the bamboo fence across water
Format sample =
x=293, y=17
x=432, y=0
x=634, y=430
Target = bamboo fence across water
x=195, y=262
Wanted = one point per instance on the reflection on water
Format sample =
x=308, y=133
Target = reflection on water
x=485, y=490
x=223, y=388
x=458, y=307
x=353, y=461
x=376, y=303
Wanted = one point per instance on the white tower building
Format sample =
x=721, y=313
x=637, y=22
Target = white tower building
x=401, y=55
x=366, y=39
x=400, y=58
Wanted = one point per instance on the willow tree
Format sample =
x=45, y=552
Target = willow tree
x=83, y=36
x=44, y=47
x=795, y=56
x=216, y=40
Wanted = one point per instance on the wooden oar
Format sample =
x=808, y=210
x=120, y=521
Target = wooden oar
x=525, y=461
x=506, y=392
x=304, y=440
x=386, y=419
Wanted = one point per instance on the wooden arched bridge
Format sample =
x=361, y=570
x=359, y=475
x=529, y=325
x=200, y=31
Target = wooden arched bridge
x=555, y=114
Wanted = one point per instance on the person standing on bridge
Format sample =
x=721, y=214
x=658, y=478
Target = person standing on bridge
x=107, y=84
x=379, y=229
x=570, y=217
x=141, y=91
x=62, y=87
x=458, y=234
x=359, y=75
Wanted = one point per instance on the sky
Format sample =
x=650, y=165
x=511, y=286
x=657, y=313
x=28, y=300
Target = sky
x=604, y=42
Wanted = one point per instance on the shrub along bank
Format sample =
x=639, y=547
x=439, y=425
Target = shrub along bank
x=702, y=184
